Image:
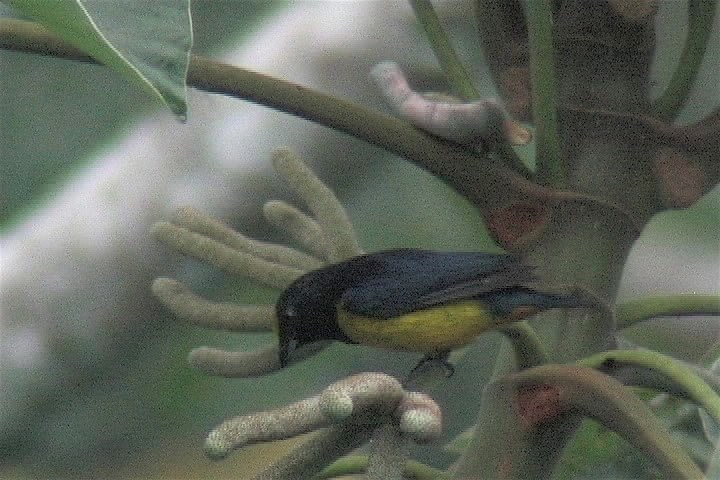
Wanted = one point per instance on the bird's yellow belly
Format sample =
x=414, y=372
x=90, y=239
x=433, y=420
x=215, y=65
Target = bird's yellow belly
x=436, y=329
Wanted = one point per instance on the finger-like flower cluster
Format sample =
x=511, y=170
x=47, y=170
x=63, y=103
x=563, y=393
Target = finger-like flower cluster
x=347, y=413
x=328, y=235
x=363, y=400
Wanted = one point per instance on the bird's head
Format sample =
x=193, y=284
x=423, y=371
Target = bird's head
x=306, y=313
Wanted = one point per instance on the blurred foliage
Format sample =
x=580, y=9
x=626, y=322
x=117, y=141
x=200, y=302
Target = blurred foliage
x=71, y=112
x=75, y=111
x=611, y=458
x=148, y=44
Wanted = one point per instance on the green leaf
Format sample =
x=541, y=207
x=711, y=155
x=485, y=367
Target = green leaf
x=147, y=42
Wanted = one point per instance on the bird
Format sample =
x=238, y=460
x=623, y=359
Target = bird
x=409, y=299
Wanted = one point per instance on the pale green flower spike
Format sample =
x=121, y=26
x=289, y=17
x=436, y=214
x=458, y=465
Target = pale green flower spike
x=328, y=237
x=329, y=213
x=420, y=417
x=300, y=227
x=366, y=404
x=200, y=223
x=223, y=363
x=217, y=315
x=349, y=412
x=228, y=259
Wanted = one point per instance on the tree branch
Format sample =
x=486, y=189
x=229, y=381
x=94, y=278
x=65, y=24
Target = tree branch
x=483, y=180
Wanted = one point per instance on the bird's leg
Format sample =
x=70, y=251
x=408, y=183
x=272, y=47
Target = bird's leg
x=428, y=366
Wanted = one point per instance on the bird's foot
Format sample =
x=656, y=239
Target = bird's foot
x=431, y=366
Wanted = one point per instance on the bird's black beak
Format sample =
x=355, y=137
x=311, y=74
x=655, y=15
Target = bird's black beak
x=291, y=350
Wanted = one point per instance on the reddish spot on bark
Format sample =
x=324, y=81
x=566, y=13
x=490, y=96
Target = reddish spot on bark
x=681, y=182
x=515, y=225
x=505, y=467
x=537, y=404
x=635, y=11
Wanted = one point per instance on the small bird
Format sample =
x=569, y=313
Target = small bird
x=409, y=299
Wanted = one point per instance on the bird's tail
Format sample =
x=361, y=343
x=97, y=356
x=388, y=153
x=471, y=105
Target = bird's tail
x=574, y=298
x=519, y=302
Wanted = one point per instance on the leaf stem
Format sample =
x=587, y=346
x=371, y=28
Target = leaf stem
x=700, y=26
x=603, y=398
x=527, y=346
x=636, y=311
x=449, y=62
x=482, y=179
x=549, y=167
x=457, y=75
x=681, y=376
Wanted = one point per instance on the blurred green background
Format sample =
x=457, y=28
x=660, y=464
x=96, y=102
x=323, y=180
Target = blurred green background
x=56, y=116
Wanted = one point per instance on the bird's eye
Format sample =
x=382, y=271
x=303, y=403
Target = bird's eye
x=290, y=312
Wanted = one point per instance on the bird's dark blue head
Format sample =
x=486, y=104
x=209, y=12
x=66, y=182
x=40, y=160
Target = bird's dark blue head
x=306, y=313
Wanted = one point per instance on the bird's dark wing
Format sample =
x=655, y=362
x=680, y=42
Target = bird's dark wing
x=396, y=282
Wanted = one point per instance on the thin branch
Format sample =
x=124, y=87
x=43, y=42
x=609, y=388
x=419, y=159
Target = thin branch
x=460, y=79
x=321, y=449
x=549, y=162
x=636, y=311
x=30, y=37
x=551, y=389
x=444, y=52
x=696, y=135
x=700, y=25
x=527, y=346
x=682, y=378
x=483, y=180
